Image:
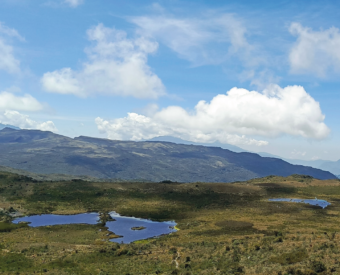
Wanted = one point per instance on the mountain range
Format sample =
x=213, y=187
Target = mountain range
x=44, y=152
x=327, y=165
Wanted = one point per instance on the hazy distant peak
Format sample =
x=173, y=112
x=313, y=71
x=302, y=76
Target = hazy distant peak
x=8, y=126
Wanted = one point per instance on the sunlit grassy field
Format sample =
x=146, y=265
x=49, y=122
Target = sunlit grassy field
x=223, y=228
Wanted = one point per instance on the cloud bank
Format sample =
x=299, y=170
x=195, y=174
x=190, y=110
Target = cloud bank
x=116, y=66
x=315, y=52
x=229, y=118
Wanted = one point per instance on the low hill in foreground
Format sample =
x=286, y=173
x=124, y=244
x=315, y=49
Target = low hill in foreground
x=47, y=153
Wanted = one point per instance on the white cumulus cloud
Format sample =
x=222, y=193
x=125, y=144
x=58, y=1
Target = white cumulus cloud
x=24, y=122
x=210, y=39
x=9, y=101
x=138, y=127
x=74, y=3
x=315, y=52
x=11, y=104
x=116, y=66
x=229, y=118
x=8, y=62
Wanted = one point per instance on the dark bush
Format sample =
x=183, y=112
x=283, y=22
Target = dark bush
x=167, y=181
x=173, y=250
x=318, y=266
x=278, y=240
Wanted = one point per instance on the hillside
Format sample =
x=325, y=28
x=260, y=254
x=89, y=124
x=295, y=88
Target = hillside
x=47, y=153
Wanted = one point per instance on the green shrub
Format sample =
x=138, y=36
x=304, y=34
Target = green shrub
x=8, y=227
x=290, y=257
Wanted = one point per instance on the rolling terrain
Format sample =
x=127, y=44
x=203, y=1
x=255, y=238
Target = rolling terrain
x=48, y=153
x=224, y=228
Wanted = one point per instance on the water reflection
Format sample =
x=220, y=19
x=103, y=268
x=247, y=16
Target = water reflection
x=316, y=202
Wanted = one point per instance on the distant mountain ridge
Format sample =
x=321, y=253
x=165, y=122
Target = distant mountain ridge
x=48, y=153
x=214, y=144
x=3, y=126
x=327, y=165
x=330, y=166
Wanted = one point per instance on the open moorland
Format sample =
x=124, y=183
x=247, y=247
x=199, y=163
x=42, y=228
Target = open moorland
x=224, y=228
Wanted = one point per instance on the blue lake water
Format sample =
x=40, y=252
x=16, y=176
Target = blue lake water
x=121, y=226
x=316, y=202
x=50, y=219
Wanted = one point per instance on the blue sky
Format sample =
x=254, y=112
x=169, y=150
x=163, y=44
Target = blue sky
x=261, y=75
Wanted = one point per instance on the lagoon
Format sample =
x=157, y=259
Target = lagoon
x=121, y=226
x=315, y=202
x=51, y=219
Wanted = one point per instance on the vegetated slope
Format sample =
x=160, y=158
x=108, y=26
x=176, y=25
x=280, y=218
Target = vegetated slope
x=48, y=153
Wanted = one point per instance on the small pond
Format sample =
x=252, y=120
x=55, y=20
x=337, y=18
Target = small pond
x=316, y=202
x=50, y=219
x=123, y=227
x=129, y=228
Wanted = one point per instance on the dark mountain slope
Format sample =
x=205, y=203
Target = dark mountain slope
x=47, y=153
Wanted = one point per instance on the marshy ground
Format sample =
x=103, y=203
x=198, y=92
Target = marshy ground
x=224, y=228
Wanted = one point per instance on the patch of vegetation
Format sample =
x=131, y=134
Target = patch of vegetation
x=12, y=262
x=138, y=228
x=8, y=227
x=290, y=257
x=234, y=224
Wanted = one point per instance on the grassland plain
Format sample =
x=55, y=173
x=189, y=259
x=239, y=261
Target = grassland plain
x=224, y=228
